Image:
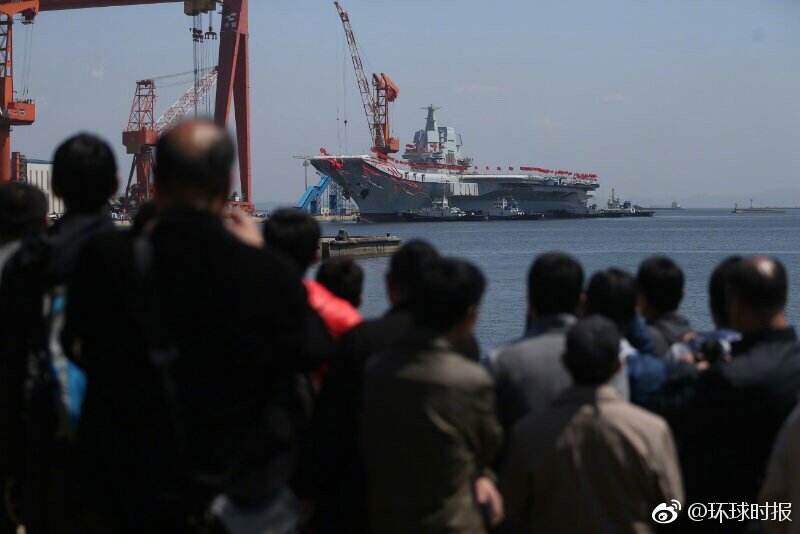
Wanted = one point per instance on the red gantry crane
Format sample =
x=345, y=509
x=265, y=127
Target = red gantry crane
x=143, y=131
x=376, y=106
x=233, y=86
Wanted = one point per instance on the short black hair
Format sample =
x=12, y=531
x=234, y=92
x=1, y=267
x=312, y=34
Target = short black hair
x=445, y=291
x=592, y=351
x=23, y=209
x=661, y=283
x=760, y=283
x=84, y=173
x=295, y=233
x=405, y=266
x=717, y=289
x=205, y=172
x=555, y=282
x=612, y=294
x=343, y=277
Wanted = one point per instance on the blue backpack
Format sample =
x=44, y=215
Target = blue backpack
x=53, y=373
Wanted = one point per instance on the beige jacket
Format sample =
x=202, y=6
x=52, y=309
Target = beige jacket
x=429, y=430
x=591, y=463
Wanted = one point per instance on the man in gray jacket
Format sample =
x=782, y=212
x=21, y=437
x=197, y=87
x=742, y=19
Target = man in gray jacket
x=529, y=372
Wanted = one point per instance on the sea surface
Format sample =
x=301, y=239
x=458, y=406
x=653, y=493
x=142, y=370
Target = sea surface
x=695, y=238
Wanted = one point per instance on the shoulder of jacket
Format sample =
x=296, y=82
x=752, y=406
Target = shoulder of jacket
x=631, y=420
x=471, y=374
x=528, y=346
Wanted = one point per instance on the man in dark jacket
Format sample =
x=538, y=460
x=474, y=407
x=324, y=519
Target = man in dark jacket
x=296, y=234
x=23, y=211
x=727, y=429
x=430, y=430
x=334, y=470
x=160, y=439
x=84, y=176
x=660, y=283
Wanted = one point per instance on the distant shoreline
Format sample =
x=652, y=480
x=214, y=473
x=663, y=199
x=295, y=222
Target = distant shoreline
x=721, y=208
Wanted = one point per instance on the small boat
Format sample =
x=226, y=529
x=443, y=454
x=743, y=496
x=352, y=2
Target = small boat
x=751, y=209
x=439, y=210
x=506, y=209
x=616, y=208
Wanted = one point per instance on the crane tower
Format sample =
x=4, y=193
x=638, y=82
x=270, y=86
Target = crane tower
x=376, y=106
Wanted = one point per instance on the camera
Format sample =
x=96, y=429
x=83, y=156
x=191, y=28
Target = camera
x=712, y=350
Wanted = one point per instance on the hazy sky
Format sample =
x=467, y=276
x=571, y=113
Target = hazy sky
x=662, y=99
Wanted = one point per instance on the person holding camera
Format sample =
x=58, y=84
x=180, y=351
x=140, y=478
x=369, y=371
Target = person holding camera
x=727, y=427
x=706, y=348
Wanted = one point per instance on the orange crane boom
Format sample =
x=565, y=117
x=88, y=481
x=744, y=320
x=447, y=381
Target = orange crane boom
x=376, y=107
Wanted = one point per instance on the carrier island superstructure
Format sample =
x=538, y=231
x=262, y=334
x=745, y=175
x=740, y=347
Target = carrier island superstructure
x=433, y=167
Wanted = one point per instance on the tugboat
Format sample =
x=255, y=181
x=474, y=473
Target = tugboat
x=616, y=208
x=506, y=209
x=439, y=210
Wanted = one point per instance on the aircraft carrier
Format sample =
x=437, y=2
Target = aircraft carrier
x=432, y=168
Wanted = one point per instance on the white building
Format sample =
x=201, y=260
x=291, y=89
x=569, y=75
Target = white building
x=40, y=174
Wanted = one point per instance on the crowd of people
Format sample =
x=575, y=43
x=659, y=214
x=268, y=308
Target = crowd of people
x=186, y=375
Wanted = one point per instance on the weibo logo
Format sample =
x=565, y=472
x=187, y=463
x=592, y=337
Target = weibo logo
x=666, y=513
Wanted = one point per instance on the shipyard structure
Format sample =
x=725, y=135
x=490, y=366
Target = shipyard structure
x=433, y=168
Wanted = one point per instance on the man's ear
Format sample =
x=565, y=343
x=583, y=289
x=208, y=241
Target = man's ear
x=642, y=306
x=617, y=365
x=471, y=318
x=580, y=310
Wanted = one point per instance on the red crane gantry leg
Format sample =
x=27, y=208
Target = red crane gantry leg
x=233, y=83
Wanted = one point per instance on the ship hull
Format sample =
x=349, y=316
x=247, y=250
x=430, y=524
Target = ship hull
x=384, y=192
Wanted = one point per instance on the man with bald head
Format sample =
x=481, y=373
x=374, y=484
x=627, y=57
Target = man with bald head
x=188, y=337
x=726, y=432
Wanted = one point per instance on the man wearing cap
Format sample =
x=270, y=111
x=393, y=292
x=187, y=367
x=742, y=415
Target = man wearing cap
x=592, y=462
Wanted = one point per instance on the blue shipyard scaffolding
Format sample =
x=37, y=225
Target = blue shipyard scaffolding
x=326, y=199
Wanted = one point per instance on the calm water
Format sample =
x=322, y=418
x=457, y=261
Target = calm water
x=504, y=250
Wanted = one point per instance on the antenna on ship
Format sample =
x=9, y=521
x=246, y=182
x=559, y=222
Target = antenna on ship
x=430, y=124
